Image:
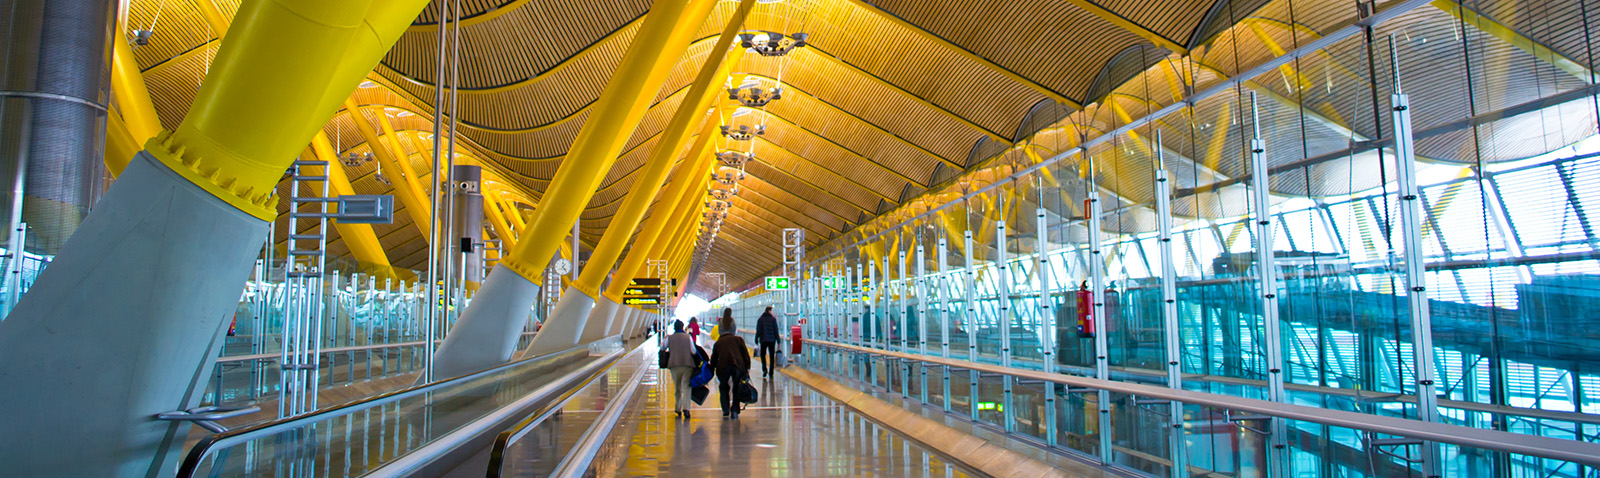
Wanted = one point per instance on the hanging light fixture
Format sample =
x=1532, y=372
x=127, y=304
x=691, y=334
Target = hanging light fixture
x=352, y=159
x=381, y=178
x=735, y=159
x=728, y=176
x=723, y=194
x=743, y=132
x=755, y=96
x=772, y=43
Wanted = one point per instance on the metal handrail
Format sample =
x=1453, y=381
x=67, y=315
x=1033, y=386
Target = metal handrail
x=1532, y=445
x=414, y=461
x=577, y=459
x=504, y=440
x=353, y=348
x=207, y=445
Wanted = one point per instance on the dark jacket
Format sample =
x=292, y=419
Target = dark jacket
x=767, y=328
x=729, y=355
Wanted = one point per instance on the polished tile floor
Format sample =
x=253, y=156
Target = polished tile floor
x=792, y=432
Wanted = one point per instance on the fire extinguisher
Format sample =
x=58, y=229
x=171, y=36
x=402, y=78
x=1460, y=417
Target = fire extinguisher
x=1085, y=311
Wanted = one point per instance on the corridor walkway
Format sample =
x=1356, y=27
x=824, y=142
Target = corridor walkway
x=793, y=431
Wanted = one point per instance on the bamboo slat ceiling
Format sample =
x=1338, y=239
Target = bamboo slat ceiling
x=890, y=97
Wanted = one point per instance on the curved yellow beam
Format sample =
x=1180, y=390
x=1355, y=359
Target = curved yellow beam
x=359, y=238
x=266, y=77
x=644, y=67
x=688, y=184
x=690, y=110
x=406, y=183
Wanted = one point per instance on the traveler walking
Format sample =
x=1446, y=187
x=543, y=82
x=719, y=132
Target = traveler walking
x=730, y=357
x=683, y=359
x=767, y=341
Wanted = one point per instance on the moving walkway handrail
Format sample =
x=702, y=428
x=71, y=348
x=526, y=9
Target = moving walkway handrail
x=412, y=463
x=522, y=428
x=206, y=446
x=273, y=356
x=1532, y=445
x=576, y=462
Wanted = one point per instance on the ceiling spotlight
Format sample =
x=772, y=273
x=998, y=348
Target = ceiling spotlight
x=716, y=205
x=771, y=43
x=353, y=159
x=368, y=84
x=728, y=176
x=744, y=132
x=755, y=97
x=381, y=178
x=734, y=159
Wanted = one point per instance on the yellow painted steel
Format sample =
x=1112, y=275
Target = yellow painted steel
x=690, y=111
x=406, y=184
x=213, y=17
x=120, y=145
x=133, y=98
x=657, y=45
x=515, y=214
x=508, y=237
x=682, y=193
x=360, y=238
x=278, y=78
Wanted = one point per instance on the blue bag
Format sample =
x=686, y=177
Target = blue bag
x=703, y=377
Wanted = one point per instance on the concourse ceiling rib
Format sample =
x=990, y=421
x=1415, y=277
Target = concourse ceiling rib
x=862, y=128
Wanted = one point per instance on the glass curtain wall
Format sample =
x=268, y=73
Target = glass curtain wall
x=1290, y=209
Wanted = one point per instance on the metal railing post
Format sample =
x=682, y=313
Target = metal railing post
x=1097, y=273
x=1177, y=446
x=1267, y=283
x=1412, y=222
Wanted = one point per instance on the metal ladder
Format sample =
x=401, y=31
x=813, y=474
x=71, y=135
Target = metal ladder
x=303, y=305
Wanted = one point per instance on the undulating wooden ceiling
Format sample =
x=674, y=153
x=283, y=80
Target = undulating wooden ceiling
x=889, y=98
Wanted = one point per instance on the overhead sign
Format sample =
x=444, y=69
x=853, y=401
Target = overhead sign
x=645, y=281
x=647, y=291
x=641, y=301
x=832, y=283
x=777, y=283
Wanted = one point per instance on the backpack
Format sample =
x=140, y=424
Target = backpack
x=746, y=393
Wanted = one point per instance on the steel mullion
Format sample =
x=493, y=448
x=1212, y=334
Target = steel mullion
x=1047, y=319
x=1003, y=317
x=1177, y=446
x=1417, y=295
x=1097, y=286
x=1266, y=273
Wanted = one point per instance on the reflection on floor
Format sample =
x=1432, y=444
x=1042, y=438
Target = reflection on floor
x=792, y=432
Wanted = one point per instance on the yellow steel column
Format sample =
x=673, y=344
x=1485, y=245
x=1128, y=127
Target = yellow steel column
x=688, y=182
x=401, y=154
x=213, y=17
x=507, y=236
x=690, y=110
x=120, y=145
x=407, y=186
x=169, y=246
x=363, y=243
x=133, y=98
x=658, y=43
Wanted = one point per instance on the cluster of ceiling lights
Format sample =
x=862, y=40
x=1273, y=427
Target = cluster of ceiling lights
x=743, y=132
x=750, y=93
x=772, y=43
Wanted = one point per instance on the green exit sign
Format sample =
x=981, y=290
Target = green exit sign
x=832, y=283
x=777, y=283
